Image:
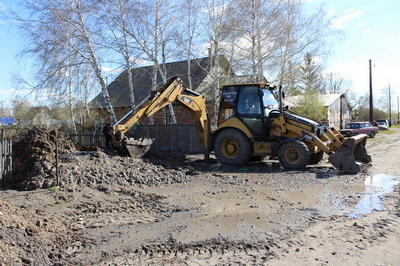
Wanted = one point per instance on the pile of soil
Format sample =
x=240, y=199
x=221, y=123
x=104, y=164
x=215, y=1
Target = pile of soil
x=34, y=158
x=32, y=238
x=96, y=189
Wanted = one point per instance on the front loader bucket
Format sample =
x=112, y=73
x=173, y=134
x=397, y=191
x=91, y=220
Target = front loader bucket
x=137, y=148
x=352, y=150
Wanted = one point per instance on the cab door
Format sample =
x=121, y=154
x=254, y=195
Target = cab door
x=250, y=110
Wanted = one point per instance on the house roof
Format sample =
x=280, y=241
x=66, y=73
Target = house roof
x=330, y=98
x=39, y=110
x=142, y=80
x=327, y=99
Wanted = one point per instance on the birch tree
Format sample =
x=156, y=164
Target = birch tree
x=62, y=29
x=299, y=33
x=259, y=33
x=187, y=35
x=151, y=28
x=216, y=24
x=117, y=16
x=86, y=45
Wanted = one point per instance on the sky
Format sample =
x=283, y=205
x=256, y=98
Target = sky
x=370, y=31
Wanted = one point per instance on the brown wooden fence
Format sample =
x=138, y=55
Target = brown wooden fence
x=171, y=138
x=5, y=161
x=176, y=138
x=88, y=137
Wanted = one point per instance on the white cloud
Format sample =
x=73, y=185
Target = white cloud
x=350, y=14
x=382, y=35
x=367, y=31
x=111, y=70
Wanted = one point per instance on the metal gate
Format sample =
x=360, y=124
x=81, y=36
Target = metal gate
x=5, y=161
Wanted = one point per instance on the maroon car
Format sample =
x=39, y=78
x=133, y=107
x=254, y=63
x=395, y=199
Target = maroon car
x=355, y=128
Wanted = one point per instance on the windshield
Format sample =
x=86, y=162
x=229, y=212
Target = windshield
x=352, y=126
x=269, y=102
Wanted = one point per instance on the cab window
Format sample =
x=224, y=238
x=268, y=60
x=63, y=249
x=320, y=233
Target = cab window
x=249, y=102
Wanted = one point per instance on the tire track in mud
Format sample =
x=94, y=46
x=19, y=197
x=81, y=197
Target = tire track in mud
x=200, y=252
x=116, y=207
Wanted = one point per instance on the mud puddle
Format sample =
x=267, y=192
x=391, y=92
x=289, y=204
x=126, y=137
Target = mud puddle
x=244, y=206
x=376, y=186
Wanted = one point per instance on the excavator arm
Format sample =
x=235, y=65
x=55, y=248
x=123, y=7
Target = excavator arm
x=173, y=91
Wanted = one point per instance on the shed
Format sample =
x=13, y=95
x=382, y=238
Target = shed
x=338, y=111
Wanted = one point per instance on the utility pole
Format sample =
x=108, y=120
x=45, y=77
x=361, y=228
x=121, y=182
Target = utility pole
x=398, y=111
x=390, y=108
x=371, y=103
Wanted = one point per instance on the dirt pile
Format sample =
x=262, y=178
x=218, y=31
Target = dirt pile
x=97, y=189
x=98, y=169
x=34, y=158
x=29, y=238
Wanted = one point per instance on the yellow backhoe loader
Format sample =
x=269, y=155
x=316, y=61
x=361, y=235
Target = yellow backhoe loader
x=252, y=124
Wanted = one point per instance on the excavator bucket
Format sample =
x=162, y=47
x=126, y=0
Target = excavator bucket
x=137, y=148
x=352, y=150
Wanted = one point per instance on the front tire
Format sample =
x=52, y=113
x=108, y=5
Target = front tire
x=293, y=155
x=232, y=146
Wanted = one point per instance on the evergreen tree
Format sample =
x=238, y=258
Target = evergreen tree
x=310, y=77
x=310, y=86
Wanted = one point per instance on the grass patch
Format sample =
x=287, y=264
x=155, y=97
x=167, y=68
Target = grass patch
x=54, y=189
x=387, y=131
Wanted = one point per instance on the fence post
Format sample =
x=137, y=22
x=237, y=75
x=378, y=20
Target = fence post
x=57, y=166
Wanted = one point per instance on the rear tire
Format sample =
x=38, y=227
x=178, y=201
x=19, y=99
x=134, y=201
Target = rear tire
x=232, y=146
x=293, y=155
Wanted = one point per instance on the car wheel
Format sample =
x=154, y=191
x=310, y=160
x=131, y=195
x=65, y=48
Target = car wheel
x=372, y=134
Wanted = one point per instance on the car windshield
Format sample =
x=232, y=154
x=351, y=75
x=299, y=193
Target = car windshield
x=352, y=126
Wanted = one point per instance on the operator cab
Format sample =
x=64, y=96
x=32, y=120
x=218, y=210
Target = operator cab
x=251, y=103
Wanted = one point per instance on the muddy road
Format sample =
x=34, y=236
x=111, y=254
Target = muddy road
x=176, y=210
